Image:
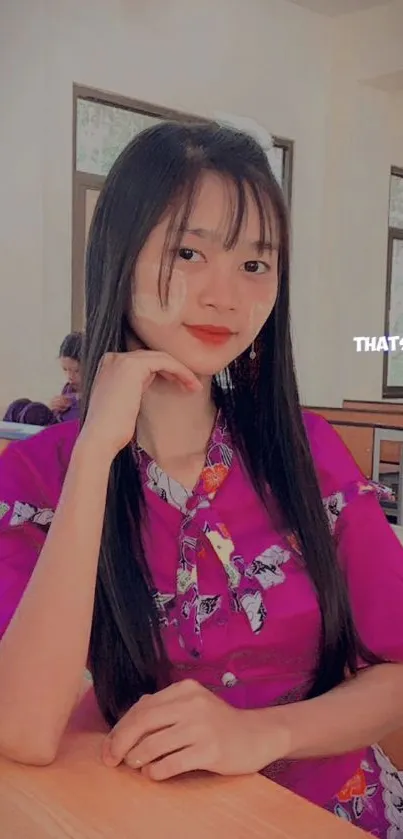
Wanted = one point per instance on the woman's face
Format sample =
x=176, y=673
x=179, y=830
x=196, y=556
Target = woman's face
x=218, y=299
x=71, y=370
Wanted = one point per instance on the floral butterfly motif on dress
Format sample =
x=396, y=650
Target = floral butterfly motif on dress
x=24, y=512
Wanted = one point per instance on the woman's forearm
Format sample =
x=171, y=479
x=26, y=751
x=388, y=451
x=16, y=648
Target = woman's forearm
x=44, y=650
x=354, y=715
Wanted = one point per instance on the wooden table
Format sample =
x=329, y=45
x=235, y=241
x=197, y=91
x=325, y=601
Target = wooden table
x=78, y=798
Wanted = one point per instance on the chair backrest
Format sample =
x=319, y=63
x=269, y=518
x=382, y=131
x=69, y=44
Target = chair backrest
x=359, y=439
x=382, y=419
x=361, y=405
x=399, y=531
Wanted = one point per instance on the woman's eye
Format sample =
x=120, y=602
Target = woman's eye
x=254, y=266
x=189, y=255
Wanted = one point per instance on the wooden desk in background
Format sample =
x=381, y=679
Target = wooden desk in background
x=10, y=431
x=79, y=798
x=383, y=407
x=357, y=430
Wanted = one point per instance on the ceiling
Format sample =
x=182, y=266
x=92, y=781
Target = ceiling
x=335, y=8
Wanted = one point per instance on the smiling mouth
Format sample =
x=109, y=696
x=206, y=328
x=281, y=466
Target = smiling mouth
x=216, y=335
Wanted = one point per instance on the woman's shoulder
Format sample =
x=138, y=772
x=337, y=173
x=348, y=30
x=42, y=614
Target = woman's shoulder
x=335, y=466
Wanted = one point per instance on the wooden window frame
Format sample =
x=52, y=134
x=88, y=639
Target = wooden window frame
x=83, y=181
x=394, y=233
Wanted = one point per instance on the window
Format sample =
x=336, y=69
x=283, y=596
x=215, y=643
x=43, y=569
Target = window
x=103, y=125
x=393, y=361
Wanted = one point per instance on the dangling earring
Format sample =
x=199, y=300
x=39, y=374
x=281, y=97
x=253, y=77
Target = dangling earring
x=252, y=354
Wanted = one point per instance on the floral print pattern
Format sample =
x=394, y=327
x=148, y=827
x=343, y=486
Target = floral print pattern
x=249, y=595
x=391, y=781
x=4, y=508
x=335, y=504
x=357, y=792
x=23, y=513
x=247, y=582
x=373, y=798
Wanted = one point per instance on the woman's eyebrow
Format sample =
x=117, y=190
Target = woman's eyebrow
x=204, y=233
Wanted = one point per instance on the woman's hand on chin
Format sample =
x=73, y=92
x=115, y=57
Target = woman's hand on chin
x=119, y=386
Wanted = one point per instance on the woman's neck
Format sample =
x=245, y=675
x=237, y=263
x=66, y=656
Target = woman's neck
x=174, y=423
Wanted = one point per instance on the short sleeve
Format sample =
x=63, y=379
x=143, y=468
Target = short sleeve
x=334, y=463
x=31, y=477
x=372, y=560
x=368, y=550
x=19, y=548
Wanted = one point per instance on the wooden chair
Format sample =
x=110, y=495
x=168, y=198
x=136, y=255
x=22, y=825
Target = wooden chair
x=382, y=419
x=359, y=439
x=390, y=449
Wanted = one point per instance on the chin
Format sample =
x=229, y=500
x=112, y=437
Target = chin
x=206, y=370
x=207, y=366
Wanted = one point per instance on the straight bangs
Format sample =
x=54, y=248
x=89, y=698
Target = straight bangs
x=268, y=203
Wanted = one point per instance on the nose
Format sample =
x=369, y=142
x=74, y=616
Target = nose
x=220, y=289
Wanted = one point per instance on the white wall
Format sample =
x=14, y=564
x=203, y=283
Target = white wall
x=22, y=321
x=364, y=138
x=355, y=238
x=265, y=58
x=268, y=59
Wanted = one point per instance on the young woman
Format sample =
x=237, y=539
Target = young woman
x=216, y=558
x=66, y=406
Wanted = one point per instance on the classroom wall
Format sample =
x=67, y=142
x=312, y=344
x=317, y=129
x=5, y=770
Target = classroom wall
x=356, y=231
x=364, y=138
x=267, y=59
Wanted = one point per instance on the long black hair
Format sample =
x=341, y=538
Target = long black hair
x=159, y=173
x=72, y=346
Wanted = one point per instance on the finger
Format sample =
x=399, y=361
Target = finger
x=177, y=690
x=158, y=745
x=106, y=744
x=189, y=759
x=163, y=364
x=187, y=388
x=176, y=693
x=186, y=380
x=168, y=376
x=133, y=727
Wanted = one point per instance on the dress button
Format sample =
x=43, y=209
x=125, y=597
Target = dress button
x=229, y=680
x=222, y=620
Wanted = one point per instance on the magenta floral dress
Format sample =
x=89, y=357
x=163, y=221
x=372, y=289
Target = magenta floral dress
x=237, y=610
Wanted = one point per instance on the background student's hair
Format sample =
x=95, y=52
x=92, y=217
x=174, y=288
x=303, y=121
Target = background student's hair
x=159, y=172
x=26, y=412
x=14, y=410
x=72, y=346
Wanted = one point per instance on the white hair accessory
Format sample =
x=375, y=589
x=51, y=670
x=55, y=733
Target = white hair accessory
x=251, y=127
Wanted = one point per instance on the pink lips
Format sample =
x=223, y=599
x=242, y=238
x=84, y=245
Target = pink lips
x=216, y=335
